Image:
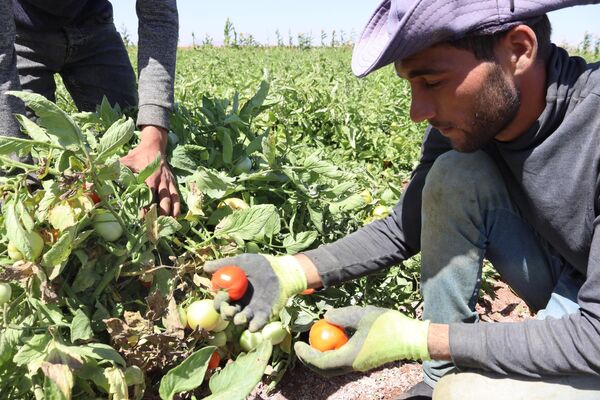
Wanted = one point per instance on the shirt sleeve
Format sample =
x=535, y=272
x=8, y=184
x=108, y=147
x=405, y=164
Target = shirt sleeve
x=385, y=242
x=158, y=27
x=566, y=346
x=9, y=77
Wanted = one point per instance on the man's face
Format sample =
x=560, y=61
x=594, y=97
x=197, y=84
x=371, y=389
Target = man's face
x=468, y=100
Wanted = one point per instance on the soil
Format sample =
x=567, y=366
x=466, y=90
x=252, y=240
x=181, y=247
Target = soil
x=390, y=380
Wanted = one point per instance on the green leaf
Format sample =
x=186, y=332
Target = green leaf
x=55, y=259
x=81, y=328
x=33, y=130
x=9, y=339
x=115, y=138
x=16, y=232
x=52, y=391
x=117, y=384
x=253, y=223
x=253, y=106
x=33, y=352
x=149, y=169
x=110, y=171
x=58, y=124
x=350, y=203
x=237, y=379
x=214, y=184
x=227, y=143
x=294, y=244
x=167, y=226
x=186, y=376
x=10, y=145
x=99, y=351
x=315, y=164
x=188, y=157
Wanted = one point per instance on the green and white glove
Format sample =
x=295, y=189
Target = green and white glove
x=381, y=336
x=271, y=282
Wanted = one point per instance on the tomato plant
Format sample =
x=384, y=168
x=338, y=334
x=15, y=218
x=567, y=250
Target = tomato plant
x=201, y=314
x=325, y=336
x=232, y=279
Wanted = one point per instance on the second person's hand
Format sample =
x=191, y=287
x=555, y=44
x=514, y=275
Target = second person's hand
x=162, y=182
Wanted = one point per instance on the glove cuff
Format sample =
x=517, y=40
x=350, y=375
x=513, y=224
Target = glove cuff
x=290, y=274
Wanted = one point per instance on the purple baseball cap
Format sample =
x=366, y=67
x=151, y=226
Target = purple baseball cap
x=400, y=28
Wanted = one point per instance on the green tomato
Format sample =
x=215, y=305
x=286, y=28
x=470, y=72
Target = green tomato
x=202, y=314
x=250, y=340
x=219, y=339
x=13, y=252
x=107, y=226
x=36, y=243
x=5, y=292
x=221, y=325
x=242, y=166
x=274, y=331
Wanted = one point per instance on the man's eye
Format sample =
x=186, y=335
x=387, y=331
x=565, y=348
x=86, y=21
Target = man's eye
x=432, y=84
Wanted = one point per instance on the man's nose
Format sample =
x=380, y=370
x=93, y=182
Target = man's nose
x=421, y=108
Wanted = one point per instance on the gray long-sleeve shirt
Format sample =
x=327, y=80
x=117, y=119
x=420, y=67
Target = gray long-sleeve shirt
x=157, y=47
x=552, y=172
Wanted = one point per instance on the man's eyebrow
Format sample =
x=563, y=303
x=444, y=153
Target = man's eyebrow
x=422, y=71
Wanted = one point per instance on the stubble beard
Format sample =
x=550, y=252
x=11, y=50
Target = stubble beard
x=495, y=108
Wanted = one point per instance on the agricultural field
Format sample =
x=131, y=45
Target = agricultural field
x=276, y=150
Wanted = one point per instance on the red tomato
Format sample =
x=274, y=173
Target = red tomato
x=91, y=193
x=214, y=361
x=232, y=279
x=307, y=291
x=324, y=336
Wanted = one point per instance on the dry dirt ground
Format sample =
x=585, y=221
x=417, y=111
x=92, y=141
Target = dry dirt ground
x=390, y=380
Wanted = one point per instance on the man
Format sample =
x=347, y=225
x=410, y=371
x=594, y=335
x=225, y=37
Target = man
x=509, y=171
x=78, y=40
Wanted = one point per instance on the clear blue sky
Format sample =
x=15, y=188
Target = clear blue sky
x=262, y=18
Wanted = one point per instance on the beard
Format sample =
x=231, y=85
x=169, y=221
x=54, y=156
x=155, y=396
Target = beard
x=496, y=106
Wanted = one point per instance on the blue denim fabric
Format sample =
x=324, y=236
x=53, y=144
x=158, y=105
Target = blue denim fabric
x=467, y=215
x=91, y=60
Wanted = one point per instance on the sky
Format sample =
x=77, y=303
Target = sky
x=261, y=19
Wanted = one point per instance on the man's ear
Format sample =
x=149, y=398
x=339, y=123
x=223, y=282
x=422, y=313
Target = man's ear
x=520, y=45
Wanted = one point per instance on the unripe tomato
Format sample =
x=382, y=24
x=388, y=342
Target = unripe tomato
x=5, y=292
x=214, y=361
x=380, y=211
x=202, y=314
x=250, y=340
x=107, y=226
x=274, y=331
x=242, y=166
x=36, y=242
x=219, y=339
x=221, y=325
x=13, y=252
x=232, y=279
x=324, y=336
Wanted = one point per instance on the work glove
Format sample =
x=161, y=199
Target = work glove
x=381, y=336
x=272, y=280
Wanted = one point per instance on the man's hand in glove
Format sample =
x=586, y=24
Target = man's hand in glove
x=271, y=282
x=381, y=336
